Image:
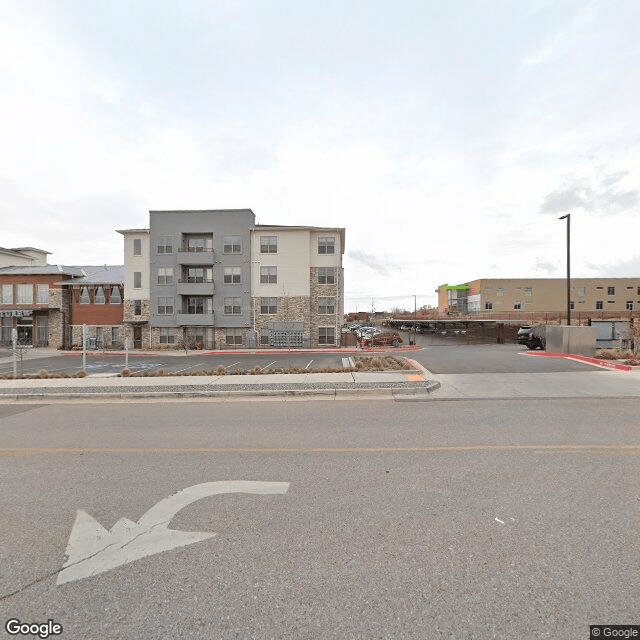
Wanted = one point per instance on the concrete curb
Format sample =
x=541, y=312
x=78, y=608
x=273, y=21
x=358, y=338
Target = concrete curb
x=256, y=394
x=596, y=362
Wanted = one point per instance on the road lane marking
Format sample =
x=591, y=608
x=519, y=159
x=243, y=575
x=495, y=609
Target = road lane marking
x=92, y=549
x=633, y=449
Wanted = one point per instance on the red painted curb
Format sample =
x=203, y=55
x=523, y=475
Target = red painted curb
x=605, y=364
x=249, y=352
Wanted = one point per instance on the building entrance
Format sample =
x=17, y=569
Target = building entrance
x=24, y=326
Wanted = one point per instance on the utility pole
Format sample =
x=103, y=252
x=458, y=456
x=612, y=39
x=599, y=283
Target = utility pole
x=568, y=219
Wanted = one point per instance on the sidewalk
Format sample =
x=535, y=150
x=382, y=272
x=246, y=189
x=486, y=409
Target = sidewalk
x=226, y=387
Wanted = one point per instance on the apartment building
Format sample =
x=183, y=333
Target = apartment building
x=297, y=285
x=540, y=295
x=213, y=279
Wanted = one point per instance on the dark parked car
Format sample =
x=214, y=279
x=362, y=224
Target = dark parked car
x=531, y=337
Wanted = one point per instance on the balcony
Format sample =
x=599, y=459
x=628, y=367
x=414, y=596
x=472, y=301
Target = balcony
x=195, y=319
x=188, y=256
x=188, y=287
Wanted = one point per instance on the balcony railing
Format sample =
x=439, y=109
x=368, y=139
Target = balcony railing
x=195, y=287
x=195, y=319
x=193, y=257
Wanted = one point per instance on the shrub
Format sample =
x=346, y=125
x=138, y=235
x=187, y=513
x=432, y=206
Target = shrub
x=80, y=374
x=43, y=373
x=125, y=373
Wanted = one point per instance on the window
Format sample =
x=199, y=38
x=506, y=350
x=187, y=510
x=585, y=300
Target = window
x=99, y=335
x=234, y=336
x=199, y=304
x=528, y=291
x=116, y=297
x=599, y=304
x=269, y=305
x=488, y=306
x=137, y=279
x=232, y=275
x=517, y=304
x=326, y=244
x=326, y=335
x=268, y=275
x=24, y=294
x=165, y=244
x=7, y=294
x=326, y=275
x=99, y=296
x=268, y=244
x=197, y=274
x=232, y=306
x=43, y=293
x=264, y=338
x=326, y=305
x=611, y=291
x=167, y=335
x=231, y=244
x=84, y=295
x=43, y=331
x=639, y=291
x=6, y=324
x=582, y=292
x=500, y=291
x=115, y=335
x=165, y=275
x=198, y=244
x=165, y=306
x=137, y=307
x=137, y=247
x=571, y=304
x=629, y=305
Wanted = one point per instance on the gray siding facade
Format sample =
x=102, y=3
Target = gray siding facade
x=190, y=254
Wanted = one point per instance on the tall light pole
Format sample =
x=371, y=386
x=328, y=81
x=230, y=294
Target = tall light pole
x=415, y=318
x=568, y=219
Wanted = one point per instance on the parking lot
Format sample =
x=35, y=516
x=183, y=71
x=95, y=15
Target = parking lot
x=174, y=362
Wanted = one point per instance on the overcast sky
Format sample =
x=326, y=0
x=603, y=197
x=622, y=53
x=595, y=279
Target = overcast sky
x=447, y=137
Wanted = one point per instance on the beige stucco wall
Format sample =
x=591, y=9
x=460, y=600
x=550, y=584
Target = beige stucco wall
x=136, y=263
x=291, y=260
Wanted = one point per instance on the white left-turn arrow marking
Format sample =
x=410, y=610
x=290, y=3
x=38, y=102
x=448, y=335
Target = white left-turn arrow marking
x=92, y=549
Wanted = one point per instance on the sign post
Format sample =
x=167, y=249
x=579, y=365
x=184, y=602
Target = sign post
x=84, y=347
x=14, y=343
x=127, y=346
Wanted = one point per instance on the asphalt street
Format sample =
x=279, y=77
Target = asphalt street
x=494, y=519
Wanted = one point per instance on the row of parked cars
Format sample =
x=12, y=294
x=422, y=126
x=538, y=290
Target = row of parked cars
x=370, y=336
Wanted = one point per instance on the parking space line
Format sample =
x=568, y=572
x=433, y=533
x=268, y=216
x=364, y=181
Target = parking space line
x=310, y=361
x=268, y=365
x=232, y=365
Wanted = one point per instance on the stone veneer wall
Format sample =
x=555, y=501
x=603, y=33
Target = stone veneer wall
x=143, y=319
x=59, y=314
x=293, y=308
x=76, y=335
x=324, y=291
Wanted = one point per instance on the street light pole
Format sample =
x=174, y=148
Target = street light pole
x=568, y=218
x=415, y=318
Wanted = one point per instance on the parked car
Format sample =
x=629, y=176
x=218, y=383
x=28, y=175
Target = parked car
x=382, y=339
x=532, y=337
